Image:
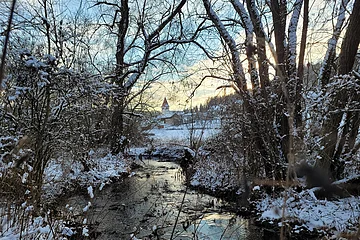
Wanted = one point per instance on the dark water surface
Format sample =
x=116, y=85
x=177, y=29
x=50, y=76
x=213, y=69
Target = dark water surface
x=148, y=204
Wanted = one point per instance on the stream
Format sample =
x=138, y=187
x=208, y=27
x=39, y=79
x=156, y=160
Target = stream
x=148, y=204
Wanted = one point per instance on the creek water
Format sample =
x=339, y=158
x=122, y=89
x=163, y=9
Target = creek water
x=154, y=203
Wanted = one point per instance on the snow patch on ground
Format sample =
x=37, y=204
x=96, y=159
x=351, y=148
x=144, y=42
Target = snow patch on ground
x=40, y=228
x=214, y=174
x=341, y=215
x=60, y=175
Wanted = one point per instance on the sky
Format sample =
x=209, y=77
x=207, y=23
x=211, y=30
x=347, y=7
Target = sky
x=178, y=95
x=180, y=99
x=320, y=29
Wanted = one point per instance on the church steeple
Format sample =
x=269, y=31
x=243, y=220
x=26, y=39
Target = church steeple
x=165, y=106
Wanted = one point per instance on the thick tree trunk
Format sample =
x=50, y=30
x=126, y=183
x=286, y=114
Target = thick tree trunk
x=299, y=82
x=117, y=127
x=330, y=154
x=326, y=68
x=279, y=12
x=351, y=41
x=261, y=49
x=117, y=119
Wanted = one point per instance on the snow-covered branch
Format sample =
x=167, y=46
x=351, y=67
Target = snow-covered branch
x=325, y=69
x=245, y=18
x=292, y=37
x=239, y=74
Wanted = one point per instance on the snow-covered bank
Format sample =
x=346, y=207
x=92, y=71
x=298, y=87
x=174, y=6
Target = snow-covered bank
x=62, y=173
x=303, y=210
x=215, y=175
x=62, y=177
x=333, y=218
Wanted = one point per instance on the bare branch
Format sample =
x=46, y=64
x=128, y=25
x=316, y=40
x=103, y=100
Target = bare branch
x=166, y=21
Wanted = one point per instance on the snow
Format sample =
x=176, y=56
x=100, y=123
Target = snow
x=341, y=215
x=181, y=134
x=213, y=175
x=85, y=232
x=35, y=63
x=24, y=177
x=90, y=192
x=59, y=176
x=62, y=172
x=67, y=232
x=85, y=209
x=39, y=229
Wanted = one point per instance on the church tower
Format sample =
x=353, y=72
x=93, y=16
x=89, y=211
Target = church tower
x=165, y=106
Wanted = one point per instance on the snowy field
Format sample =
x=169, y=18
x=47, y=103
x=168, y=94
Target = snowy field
x=181, y=135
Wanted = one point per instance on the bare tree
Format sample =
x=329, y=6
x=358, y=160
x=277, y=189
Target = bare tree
x=258, y=110
x=335, y=135
x=151, y=38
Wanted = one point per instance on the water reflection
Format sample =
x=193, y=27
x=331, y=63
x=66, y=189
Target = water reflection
x=216, y=226
x=149, y=204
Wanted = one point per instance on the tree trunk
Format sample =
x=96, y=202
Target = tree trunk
x=249, y=45
x=326, y=68
x=117, y=119
x=351, y=41
x=261, y=49
x=239, y=75
x=299, y=82
x=278, y=11
x=331, y=126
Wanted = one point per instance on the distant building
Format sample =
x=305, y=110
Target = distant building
x=165, y=108
x=169, y=117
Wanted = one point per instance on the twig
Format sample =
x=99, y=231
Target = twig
x=177, y=218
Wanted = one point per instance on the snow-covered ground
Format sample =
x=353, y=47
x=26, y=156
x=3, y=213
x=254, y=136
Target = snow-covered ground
x=61, y=175
x=104, y=167
x=182, y=134
x=336, y=217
